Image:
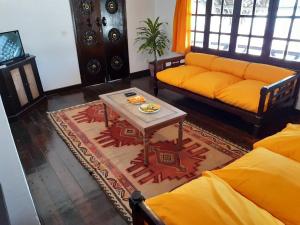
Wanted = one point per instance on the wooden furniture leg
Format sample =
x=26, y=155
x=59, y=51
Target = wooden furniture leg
x=180, y=135
x=105, y=115
x=146, y=149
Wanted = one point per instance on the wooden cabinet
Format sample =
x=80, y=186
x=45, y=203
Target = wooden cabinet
x=20, y=86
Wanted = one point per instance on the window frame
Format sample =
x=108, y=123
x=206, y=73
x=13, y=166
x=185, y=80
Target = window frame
x=267, y=38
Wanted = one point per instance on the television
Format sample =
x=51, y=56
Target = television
x=11, y=47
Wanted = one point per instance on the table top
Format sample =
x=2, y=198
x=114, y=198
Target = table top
x=118, y=102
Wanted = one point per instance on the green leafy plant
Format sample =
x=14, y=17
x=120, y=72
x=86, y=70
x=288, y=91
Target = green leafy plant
x=152, y=38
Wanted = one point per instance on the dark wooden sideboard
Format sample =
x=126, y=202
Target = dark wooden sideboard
x=20, y=86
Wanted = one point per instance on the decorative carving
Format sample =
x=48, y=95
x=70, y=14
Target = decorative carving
x=114, y=35
x=116, y=62
x=112, y=6
x=90, y=38
x=86, y=7
x=94, y=66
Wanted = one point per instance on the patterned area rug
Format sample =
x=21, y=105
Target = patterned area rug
x=114, y=156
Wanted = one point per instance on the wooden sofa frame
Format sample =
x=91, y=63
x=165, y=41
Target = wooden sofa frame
x=283, y=93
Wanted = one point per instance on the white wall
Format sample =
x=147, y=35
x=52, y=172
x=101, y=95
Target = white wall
x=19, y=203
x=47, y=32
x=137, y=10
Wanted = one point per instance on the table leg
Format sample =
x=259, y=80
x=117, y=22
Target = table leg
x=146, y=149
x=105, y=115
x=180, y=135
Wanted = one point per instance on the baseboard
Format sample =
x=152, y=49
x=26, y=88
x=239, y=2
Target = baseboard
x=139, y=74
x=58, y=90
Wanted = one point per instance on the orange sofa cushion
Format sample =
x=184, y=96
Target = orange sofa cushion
x=266, y=73
x=231, y=66
x=208, y=200
x=286, y=142
x=268, y=179
x=177, y=75
x=209, y=83
x=244, y=94
x=199, y=59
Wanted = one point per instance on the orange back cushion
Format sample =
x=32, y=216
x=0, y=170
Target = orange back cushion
x=199, y=59
x=231, y=66
x=266, y=73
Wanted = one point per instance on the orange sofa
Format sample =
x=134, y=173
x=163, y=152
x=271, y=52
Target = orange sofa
x=262, y=187
x=247, y=89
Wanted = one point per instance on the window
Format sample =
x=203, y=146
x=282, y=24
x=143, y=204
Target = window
x=252, y=26
x=198, y=22
x=286, y=36
x=264, y=29
x=220, y=24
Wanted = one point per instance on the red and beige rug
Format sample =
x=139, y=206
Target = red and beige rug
x=114, y=156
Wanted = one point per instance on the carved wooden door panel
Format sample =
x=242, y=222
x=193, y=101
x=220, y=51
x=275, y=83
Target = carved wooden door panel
x=101, y=39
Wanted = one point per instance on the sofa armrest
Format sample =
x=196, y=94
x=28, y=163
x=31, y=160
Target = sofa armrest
x=278, y=93
x=166, y=63
x=141, y=213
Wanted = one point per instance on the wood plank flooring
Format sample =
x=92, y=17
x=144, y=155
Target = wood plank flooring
x=63, y=191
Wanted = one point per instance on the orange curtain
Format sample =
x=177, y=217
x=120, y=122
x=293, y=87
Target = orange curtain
x=182, y=26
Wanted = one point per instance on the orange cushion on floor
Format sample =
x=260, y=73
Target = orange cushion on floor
x=266, y=73
x=177, y=75
x=231, y=66
x=244, y=94
x=268, y=179
x=209, y=201
x=199, y=59
x=286, y=142
x=209, y=83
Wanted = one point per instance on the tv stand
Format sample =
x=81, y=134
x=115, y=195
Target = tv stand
x=20, y=86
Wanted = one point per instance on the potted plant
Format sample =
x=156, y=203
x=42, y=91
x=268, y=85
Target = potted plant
x=152, y=38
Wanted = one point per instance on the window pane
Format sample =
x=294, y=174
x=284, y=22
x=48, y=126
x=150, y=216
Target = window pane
x=194, y=2
x=298, y=9
x=255, y=47
x=296, y=29
x=247, y=7
x=277, y=49
x=192, y=38
x=216, y=7
x=282, y=26
x=245, y=25
x=242, y=44
x=286, y=7
x=200, y=23
x=259, y=26
x=226, y=24
x=224, y=42
x=293, y=53
x=202, y=6
x=213, y=41
x=228, y=7
x=262, y=8
x=199, y=40
x=193, y=23
x=215, y=23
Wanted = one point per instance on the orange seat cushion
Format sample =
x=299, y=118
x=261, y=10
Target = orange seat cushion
x=266, y=73
x=286, y=142
x=199, y=59
x=231, y=66
x=209, y=83
x=268, y=179
x=177, y=75
x=244, y=94
x=208, y=200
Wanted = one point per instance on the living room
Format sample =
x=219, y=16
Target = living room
x=150, y=112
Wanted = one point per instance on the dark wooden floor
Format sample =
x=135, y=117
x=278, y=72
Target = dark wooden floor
x=63, y=191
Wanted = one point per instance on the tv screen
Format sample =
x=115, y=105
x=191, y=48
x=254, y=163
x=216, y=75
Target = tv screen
x=10, y=46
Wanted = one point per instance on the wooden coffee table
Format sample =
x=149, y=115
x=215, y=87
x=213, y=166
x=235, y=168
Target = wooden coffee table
x=145, y=123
